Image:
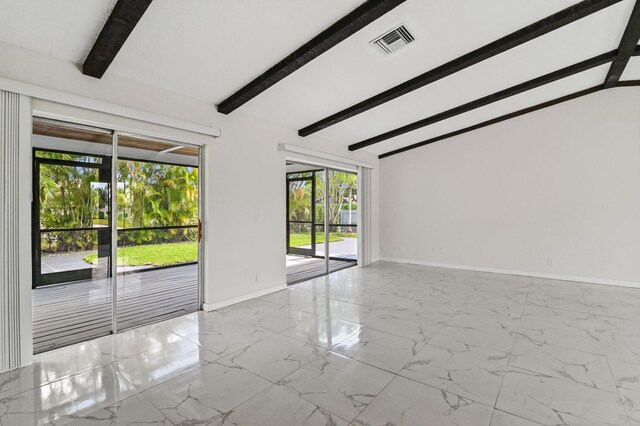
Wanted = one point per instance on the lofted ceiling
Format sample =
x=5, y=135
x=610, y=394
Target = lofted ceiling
x=632, y=72
x=208, y=49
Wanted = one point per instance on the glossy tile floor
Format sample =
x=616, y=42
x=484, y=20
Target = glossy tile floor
x=384, y=345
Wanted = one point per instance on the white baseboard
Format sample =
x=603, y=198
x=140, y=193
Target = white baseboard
x=589, y=280
x=213, y=306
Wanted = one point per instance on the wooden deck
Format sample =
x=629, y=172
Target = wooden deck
x=67, y=313
x=301, y=268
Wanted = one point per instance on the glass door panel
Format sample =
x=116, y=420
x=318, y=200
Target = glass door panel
x=319, y=202
x=301, y=237
x=304, y=223
x=156, y=229
x=71, y=233
x=343, y=212
x=158, y=232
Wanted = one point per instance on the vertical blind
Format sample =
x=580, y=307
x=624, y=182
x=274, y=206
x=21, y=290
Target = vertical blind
x=9, y=232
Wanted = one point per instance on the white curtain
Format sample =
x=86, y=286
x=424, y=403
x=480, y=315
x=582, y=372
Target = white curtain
x=10, y=315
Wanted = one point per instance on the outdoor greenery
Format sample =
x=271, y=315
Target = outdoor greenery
x=343, y=190
x=71, y=197
x=155, y=195
x=152, y=194
x=342, y=197
x=347, y=234
x=154, y=254
x=304, y=239
x=149, y=195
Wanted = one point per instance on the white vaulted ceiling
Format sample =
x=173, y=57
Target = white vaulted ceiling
x=208, y=49
x=632, y=71
x=63, y=32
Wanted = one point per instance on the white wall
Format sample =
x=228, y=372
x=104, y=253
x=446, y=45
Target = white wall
x=245, y=172
x=246, y=207
x=560, y=186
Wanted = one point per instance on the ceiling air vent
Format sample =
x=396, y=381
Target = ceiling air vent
x=393, y=40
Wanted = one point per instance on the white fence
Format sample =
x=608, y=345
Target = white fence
x=349, y=217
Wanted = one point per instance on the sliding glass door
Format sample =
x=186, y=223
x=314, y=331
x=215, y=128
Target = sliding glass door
x=158, y=232
x=71, y=234
x=321, y=221
x=106, y=260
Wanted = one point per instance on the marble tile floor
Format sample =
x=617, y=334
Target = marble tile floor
x=388, y=344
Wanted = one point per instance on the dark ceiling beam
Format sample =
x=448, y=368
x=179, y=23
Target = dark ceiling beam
x=625, y=83
x=359, y=18
x=495, y=120
x=528, y=33
x=123, y=19
x=484, y=101
x=628, y=83
x=627, y=47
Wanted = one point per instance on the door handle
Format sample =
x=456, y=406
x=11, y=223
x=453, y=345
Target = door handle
x=199, y=230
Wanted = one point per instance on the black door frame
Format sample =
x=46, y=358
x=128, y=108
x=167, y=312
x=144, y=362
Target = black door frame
x=104, y=233
x=312, y=223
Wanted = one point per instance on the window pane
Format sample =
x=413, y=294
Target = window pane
x=300, y=200
x=300, y=235
x=299, y=175
x=154, y=194
x=82, y=158
x=156, y=248
x=72, y=197
x=69, y=250
x=343, y=213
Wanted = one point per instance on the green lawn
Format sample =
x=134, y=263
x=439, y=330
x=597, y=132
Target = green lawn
x=154, y=254
x=101, y=222
x=304, y=238
x=347, y=234
x=175, y=253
